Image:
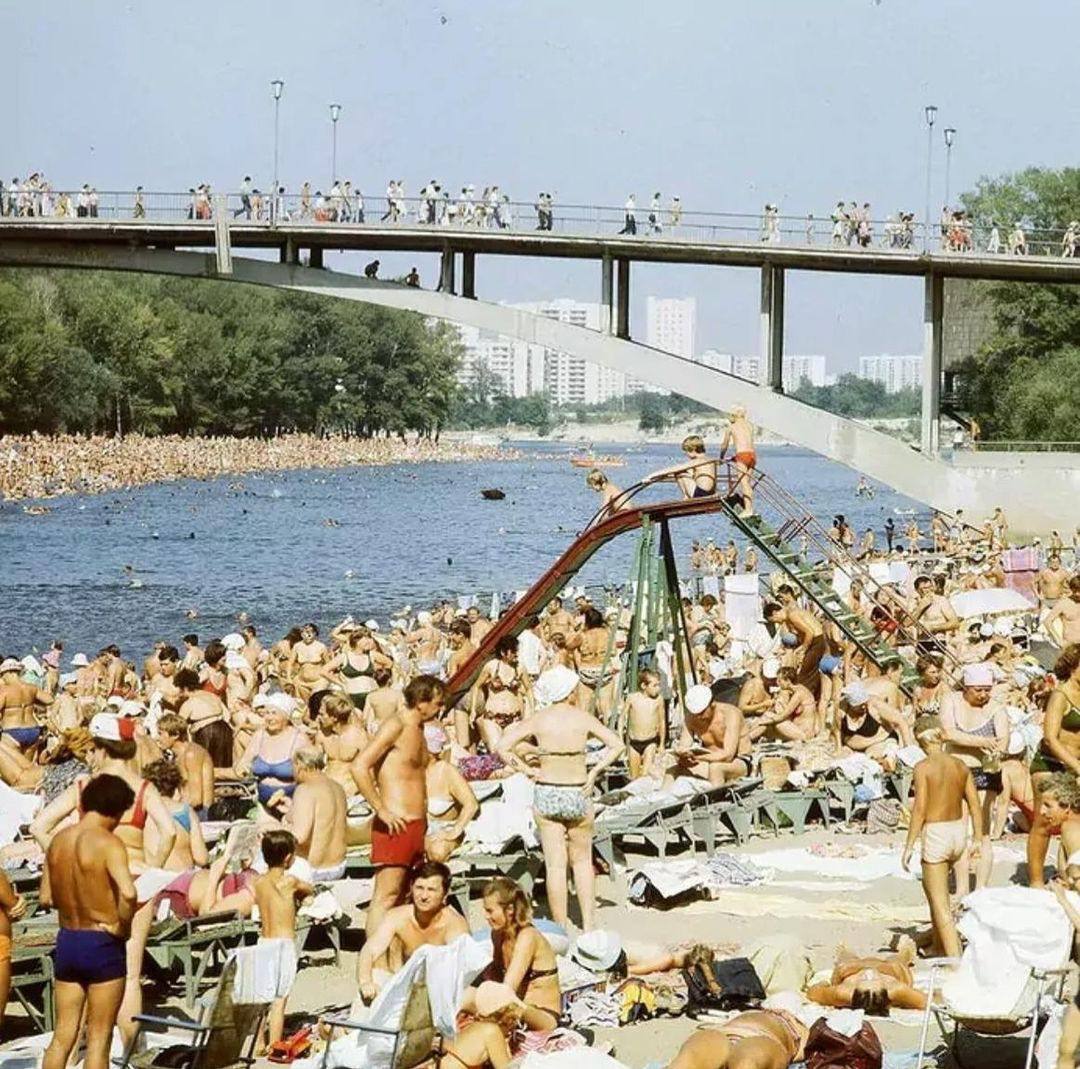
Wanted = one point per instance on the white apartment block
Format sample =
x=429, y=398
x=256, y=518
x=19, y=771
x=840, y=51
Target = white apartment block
x=895, y=373
x=670, y=325
x=797, y=368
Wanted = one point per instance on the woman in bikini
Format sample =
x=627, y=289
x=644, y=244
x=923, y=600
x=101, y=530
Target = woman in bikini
x=591, y=663
x=207, y=717
x=1059, y=751
x=563, y=797
x=451, y=804
x=485, y=1041
x=521, y=957
x=308, y=662
x=872, y=984
x=18, y=698
x=762, y=1039
x=930, y=686
x=794, y=716
x=502, y=705
x=355, y=665
x=269, y=755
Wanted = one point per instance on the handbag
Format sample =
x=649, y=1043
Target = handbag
x=734, y=984
x=828, y=1049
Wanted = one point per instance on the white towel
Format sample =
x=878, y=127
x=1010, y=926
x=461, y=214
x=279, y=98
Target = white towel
x=1010, y=931
x=16, y=809
x=265, y=971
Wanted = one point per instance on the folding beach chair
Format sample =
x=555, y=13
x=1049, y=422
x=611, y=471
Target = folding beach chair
x=404, y=1047
x=216, y=1040
x=1025, y=1015
x=195, y=944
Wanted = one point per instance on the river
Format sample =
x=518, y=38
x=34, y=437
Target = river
x=128, y=567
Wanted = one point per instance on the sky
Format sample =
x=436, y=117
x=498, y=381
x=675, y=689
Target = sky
x=729, y=105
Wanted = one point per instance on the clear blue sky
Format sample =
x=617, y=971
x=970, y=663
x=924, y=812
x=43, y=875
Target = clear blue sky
x=801, y=102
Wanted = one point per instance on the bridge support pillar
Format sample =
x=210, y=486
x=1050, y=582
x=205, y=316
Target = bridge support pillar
x=622, y=324
x=468, y=275
x=315, y=257
x=772, y=328
x=933, y=315
x=446, y=271
x=607, y=291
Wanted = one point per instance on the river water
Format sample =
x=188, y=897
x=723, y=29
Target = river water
x=127, y=567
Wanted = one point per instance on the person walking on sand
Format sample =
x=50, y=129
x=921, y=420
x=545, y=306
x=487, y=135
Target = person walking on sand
x=740, y=437
x=943, y=786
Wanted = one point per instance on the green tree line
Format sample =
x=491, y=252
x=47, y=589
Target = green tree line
x=94, y=352
x=1022, y=381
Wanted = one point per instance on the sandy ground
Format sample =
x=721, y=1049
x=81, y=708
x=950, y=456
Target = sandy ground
x=657, y=1040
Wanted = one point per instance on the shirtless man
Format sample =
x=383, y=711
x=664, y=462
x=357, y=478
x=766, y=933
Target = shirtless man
x=194, y=762
x=646, y=724
x=390, y=774
x=164, y=680
x=811, y=646
x=193, y=654
x=1063, y=623
x=341, y=738
x=253, y=648
x=427, y=921
x=479, y=625
x=740, y=437
x=884, y=690
x=758, y=693
x=872, y=984
x=943, y=787
x=17, y=701
x=65, y=713
x=317, y=817
x=87, y=879
x=556, y=620
x=934, y=617
x=459, y=635
x=1052, y=582
x=715, y=744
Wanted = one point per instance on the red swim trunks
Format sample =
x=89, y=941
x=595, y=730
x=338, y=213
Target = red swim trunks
x=402, y=850
x=747, y=460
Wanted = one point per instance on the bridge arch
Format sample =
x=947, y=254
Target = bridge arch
x=860, y=448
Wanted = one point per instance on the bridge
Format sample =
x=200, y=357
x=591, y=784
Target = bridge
x=151, y=246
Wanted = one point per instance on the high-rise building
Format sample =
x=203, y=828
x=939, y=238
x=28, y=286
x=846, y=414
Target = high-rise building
x=717, y=360
x=895, y=373
x=670, y=325
x=797, y=368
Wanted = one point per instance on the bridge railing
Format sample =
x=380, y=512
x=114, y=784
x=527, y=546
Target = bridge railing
x=667, y=223
x=1021, y=446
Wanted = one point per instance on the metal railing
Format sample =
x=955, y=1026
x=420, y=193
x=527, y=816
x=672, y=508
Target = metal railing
x=667, y=223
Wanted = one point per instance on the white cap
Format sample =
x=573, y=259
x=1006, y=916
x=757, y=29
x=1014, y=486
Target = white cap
x=79, y=661
x=372, y=625
x=68, y=679
x=131, y=709
x=986, y=629
x=32, y=664
x=597, y=950
x=855, y=693
x=423, y=618
x=770, y=668
x=115, y=701
x=978, y=675
x=234, y=662
x=10, y=664
x=555, y=685
x=233, y=641
x=398, y=625
x=281, y=702
x=698, y=699
x=105, y=726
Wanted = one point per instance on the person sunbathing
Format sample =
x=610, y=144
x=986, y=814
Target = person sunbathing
x=485, y=1040
x=757, y=1039
x=871, y=984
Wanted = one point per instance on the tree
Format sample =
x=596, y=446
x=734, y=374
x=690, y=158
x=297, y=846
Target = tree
x=654, y=412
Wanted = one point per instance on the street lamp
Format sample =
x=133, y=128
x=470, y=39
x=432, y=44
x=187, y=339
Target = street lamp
x=931, y=113
x=950, y=135
x=276, y=86
x=335, y=111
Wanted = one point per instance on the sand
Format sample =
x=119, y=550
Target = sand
x=657, y=1040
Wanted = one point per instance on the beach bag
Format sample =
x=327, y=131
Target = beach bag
x=827, y=1049
x=734, y=984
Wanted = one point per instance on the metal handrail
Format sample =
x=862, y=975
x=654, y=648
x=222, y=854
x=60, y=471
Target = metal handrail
x=266, y=210
x=1023, y=445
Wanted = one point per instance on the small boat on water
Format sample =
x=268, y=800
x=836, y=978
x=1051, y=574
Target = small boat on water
x=493, y=494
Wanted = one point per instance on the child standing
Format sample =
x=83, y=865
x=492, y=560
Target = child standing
x=645, y=723
x=276, y=895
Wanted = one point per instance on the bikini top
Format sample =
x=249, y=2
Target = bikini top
x=279, y=770
x=138, y=811
x=208, y=686
x=1071, y=720
x=868, y=729
x=436, y=807
x=985, y=730
x=183, y=817
x=349, y=671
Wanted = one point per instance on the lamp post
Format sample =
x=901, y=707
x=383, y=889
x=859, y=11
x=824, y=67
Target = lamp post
x=276, y=86
x=950, y=135
x=335, y=111
x=931, y=113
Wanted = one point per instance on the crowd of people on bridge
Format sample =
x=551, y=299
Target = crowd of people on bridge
x=491, y=208
x=385, y=741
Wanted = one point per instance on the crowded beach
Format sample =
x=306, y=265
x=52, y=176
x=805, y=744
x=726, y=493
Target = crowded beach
x=42, y=466
x=738, y=837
